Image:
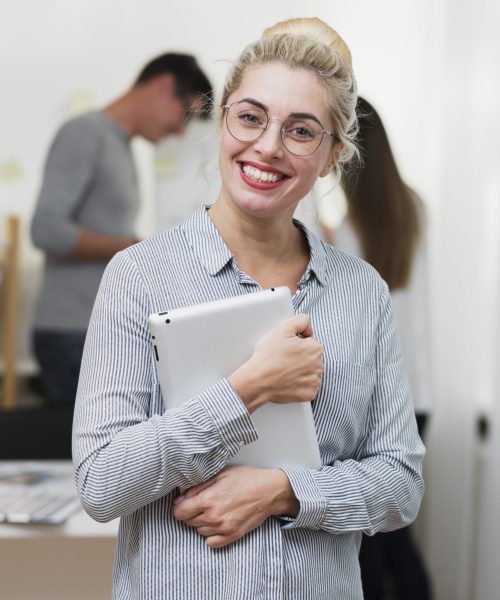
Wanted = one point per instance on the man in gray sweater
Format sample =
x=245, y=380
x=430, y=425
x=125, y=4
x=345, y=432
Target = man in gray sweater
x=88, y=204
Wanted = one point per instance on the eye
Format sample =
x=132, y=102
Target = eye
x=300, y=131
x=250, y=119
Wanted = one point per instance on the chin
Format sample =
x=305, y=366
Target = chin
x=259, y=207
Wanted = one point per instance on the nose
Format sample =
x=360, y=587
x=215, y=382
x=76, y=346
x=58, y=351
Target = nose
x=269, y=144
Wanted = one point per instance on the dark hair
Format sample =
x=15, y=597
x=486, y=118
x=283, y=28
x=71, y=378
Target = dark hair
x=190, y=79
x=383, y=210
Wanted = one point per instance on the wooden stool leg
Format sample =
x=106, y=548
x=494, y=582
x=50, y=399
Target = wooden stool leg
x=9, y=307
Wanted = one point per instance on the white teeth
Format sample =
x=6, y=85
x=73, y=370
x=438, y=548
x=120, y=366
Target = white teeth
x=261, y=176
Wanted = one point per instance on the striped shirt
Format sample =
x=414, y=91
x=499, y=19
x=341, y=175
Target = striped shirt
x=130, y=454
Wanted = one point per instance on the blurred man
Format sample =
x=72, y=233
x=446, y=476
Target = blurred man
x=88, y=204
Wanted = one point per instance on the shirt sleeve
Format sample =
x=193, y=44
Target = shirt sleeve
x=381, y=487
x=127, y=453
x=69, y=172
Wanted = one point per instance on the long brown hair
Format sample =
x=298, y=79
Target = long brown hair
x=383, y=210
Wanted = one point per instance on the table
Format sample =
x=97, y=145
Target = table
x=72, y=561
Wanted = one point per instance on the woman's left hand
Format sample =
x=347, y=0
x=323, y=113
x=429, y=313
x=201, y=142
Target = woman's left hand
x=234, y=502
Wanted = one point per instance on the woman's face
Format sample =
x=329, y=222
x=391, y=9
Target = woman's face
x=288, y=178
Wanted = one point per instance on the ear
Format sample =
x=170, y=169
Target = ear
x=332, y=159
x=164, y=83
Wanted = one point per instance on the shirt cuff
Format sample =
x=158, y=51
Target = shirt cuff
x=68, y=237
x=229, y=415
x=55, y=235
x=313, y=504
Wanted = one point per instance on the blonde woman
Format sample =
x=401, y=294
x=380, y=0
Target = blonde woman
x=287, y=117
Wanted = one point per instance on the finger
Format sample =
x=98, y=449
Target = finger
x=207, y=531
x=219, y=541
x=195, y=490
x=314, y=348
x=197, y=521
x=189, y=508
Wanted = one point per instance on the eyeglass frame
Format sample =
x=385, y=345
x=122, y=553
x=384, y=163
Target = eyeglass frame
x=226, y=108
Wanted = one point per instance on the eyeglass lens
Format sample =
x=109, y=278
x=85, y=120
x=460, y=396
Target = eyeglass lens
x=247, y=122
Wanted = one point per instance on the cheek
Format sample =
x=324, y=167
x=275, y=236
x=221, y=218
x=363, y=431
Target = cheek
x=173, y=114
x=225, y=162
x=229, y=148
x=325, y=164
x=309, y=171
x=174, y=119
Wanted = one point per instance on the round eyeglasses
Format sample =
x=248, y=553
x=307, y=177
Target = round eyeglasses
x=301, y=134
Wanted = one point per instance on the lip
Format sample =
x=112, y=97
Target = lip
x=260, y=185
x=263, y=168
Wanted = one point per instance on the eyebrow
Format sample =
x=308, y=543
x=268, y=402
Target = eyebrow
x=299, y=115
x=306, y=116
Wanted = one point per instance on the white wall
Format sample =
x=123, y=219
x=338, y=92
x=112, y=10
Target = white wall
x=466, y=227
x=58, y=58
x=428, y=66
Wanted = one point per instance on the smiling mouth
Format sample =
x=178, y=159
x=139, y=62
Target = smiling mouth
x=261, y=176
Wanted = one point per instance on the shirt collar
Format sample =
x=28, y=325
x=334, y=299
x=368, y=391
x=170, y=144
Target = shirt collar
x=206, y=241
x=213, y=253
x=318, y=264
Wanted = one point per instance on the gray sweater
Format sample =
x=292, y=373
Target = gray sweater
x=89, y=181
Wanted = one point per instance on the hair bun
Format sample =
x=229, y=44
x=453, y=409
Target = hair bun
x=315, y=29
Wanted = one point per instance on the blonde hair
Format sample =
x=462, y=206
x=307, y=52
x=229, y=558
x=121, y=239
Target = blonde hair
x=309, y=44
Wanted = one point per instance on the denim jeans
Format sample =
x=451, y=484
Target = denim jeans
x=59, y=356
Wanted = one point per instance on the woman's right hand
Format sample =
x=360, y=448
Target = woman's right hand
x=286, y=366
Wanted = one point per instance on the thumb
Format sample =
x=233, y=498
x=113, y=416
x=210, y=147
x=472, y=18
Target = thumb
x=299, y=325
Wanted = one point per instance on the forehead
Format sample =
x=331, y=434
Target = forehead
x=283, y=90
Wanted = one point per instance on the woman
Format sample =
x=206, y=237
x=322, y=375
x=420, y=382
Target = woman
x=288, y=117
x=385, y=226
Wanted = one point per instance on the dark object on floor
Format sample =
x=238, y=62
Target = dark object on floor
x=392, y=560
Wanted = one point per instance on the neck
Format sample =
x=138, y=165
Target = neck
x=271, y=250
x=123, y=112
x=269, y=236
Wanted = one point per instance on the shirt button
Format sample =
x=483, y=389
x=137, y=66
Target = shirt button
x=241, y=443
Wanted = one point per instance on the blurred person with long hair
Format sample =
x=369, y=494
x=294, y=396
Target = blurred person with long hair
x=385, y=225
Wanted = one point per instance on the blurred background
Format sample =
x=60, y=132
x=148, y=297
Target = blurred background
x=431, y=69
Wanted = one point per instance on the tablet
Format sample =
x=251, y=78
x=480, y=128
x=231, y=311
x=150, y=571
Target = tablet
x=196, y=346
